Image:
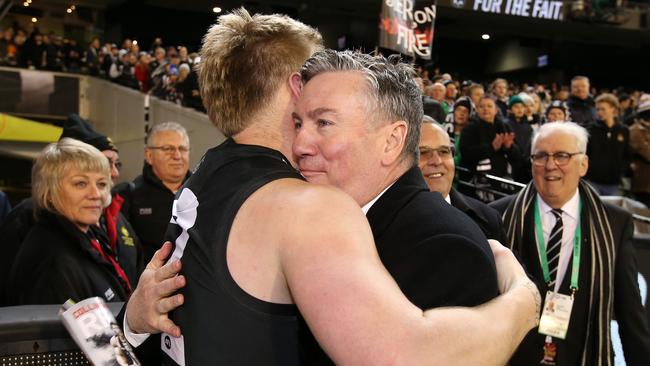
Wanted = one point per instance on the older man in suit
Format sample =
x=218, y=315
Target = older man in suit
x=579, y=251
x=438, y=168
x=437, y=255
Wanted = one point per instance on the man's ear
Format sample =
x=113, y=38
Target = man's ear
x=395, y=134
x=295, y=84
x=584, y=165
x=147, y=155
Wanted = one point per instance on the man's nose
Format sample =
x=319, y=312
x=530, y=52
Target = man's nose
x=303, y=144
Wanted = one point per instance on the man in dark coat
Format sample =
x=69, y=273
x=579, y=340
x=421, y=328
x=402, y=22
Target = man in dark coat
x=437, y=167
x=582, y=107
x=577, y=246
x=413, y=228
x=148, y=200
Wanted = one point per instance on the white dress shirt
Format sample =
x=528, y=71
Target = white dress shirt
x=570, y=220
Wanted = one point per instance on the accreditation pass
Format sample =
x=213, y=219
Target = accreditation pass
x=556, y=315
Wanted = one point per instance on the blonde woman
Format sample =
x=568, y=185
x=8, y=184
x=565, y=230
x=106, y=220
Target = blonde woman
x=62, y=257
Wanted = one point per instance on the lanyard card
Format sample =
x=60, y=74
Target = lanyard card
x=556, y=315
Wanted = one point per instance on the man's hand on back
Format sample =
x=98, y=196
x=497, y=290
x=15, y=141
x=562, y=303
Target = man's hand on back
x=148, y=307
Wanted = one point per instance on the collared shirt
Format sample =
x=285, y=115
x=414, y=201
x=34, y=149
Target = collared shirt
x=448, y=198
x=570, y=219
x=368, y=205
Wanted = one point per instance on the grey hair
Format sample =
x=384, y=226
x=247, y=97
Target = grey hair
x=579, y=133
x=392, y=91
x=428, y=119
x=167, y=126
x=580, y=77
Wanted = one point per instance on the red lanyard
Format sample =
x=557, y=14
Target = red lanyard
x=116, y=265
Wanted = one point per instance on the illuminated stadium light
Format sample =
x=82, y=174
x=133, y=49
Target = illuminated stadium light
x=68, y=11
x=34, y=20
x=485, y=36
x=216, y=9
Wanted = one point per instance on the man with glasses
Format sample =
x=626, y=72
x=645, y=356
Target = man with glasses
x=148, y=200
x=438, y=168
x=579, y=251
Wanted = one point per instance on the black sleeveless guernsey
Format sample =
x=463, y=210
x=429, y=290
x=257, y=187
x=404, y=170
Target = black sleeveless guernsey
x=222, y=324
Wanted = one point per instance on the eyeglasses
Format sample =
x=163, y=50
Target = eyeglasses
x=560, y=158
x=443, y=152
x=170, y=150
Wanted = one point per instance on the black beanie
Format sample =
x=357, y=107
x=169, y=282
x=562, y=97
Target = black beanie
x=77, y=128
x=463, y=102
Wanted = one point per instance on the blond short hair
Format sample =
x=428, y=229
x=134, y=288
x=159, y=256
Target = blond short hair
x=609, y=99
x=244, y=60
x=54, y=162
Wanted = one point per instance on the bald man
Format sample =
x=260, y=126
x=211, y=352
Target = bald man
x=438, y=168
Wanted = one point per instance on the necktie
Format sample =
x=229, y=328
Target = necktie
x=553, y=247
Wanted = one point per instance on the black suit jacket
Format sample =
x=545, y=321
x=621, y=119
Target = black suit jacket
x=487, y=218
x=632, y=322
x=437, y=255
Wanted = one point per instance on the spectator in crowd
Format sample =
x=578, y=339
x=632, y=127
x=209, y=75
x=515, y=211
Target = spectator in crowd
x=532, y=110
x=557, y=111
x=114, y=233
x=640, y=145
x=183, y=56
x=92, y=57
x=157, y=71
x=35, y=51
x=141, y=72
x=438, y=168
x=7, y=45
x=438, y=92
x=581, y=103
x=20, y=56
x=368, y=291
x=61, y=257
x=157, y=43
x=608, y=148
x=488, y=145
x=563, y=94
x=189, y=88
x=430, y=106
x=451, y=93
x=109, y=59
x=54, y=57
x=148, y=201
x=626, y=109
x=123, y=70
x=518, y=123
x=72, y=56
x=577, y=248
x=499, y=90
x=475, y=92
x=5, y=207
x=461, y=115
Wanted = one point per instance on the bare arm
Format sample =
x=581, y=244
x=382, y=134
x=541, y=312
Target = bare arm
x=359, y=315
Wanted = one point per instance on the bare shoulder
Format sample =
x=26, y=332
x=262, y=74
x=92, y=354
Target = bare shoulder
x=300, y=201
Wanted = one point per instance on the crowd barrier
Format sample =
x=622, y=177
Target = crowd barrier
x=121, y=113
x=34, y=335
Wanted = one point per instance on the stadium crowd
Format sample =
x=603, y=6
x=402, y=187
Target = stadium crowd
x=103, y=235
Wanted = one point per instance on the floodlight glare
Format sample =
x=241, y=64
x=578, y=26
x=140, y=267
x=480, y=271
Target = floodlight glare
x=485, y=36
x=216, y=9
